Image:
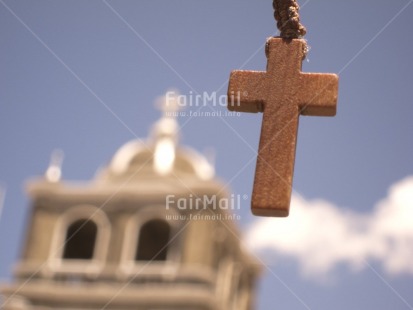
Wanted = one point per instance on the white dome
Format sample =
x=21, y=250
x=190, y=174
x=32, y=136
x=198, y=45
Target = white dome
x=161, y=155
x=138, y=157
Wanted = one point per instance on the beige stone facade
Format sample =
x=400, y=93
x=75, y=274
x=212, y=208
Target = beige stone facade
x=147, y=233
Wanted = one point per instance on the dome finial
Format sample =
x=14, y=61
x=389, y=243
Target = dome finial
x=54, y=171
x=165, y=132
x=169, y=104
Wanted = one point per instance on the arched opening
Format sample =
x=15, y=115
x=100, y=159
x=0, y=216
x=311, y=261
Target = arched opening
x=153, y=240
x=80, y=240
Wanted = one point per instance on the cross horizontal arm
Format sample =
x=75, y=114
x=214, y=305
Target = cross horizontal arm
x=318, y=94
x=246, y=91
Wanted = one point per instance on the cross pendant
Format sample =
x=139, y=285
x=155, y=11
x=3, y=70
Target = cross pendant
x=282, y=93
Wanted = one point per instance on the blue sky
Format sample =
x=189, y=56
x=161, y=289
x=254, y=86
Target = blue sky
x=83, y=76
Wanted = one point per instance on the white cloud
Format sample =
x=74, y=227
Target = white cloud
x=320, y=235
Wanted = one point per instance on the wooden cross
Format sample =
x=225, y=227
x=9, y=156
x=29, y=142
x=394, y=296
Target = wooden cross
x=283, y=92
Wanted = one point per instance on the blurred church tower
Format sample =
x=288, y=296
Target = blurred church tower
x=135, y=237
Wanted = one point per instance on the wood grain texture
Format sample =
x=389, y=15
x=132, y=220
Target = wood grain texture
x=283, y=92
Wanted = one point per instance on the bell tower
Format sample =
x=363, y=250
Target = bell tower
x=148, y=232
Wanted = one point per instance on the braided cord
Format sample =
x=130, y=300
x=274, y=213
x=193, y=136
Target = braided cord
x=288, y=19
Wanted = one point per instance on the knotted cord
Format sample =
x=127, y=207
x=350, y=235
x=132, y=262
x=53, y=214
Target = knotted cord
x=288, y=19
